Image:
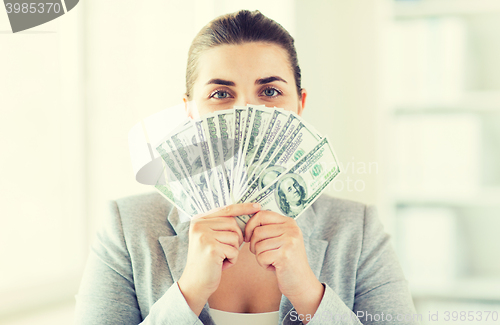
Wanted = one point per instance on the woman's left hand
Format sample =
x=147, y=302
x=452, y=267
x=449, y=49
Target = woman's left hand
x=278, y=245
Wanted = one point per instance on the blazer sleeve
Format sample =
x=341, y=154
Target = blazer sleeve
x=381, y=295
x=107, y=292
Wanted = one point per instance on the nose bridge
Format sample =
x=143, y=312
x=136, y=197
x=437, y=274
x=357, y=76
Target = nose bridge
x=245, y=97
x=242, y=100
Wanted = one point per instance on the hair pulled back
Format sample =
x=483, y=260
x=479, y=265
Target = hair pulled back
x=236, y=28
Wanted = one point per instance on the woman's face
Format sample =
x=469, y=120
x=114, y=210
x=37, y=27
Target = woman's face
x=248, y=73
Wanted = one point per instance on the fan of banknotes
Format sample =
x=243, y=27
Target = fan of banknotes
x=245, y=154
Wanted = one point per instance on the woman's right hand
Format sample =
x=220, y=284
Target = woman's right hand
x=214, y=241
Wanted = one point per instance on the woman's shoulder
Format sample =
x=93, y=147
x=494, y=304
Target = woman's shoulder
x=146, y=212
x=326, y=203
x=328, y=208
x=150, y=203
x=333, y=216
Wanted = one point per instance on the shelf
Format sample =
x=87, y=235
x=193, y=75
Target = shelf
x=444, y=106
x=432, y=8
x=486, y=289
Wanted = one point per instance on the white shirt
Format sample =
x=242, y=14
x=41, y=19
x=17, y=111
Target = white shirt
x=227, y=318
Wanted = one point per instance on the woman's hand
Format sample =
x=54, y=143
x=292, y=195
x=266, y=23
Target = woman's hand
x=214, y=241
x=278, y=246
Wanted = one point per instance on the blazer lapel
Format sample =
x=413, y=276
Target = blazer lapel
x=315, y=249
x=175, y=246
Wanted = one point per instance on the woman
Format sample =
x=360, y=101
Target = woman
x=332, y=265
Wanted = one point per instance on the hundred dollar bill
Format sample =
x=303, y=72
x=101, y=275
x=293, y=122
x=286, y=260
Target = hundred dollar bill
x=225, y=129
x=187, y=179
x=215, y=147
x=207, y=164
x=276, y=124
x=174, y=175
x=300, y=142
x=242, y=142
x=294, y=191
x=174, y=193
x=240, y=118
x=283, y=136
x=191, y=162
x=258, y=125
x=169, y=150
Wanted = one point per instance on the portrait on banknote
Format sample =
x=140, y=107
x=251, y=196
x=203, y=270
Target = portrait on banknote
x=291, y=195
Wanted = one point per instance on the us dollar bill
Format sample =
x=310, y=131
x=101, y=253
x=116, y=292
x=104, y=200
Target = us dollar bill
x=240, y=118
x=243, y=140
x=174, y=193
x=298, y=188
x=242, y=155
x=283, y=136
x=225, y=129
x=215, y=147
x=207, y=163
x=258, y=125
x=276, y=124
x=299, y=143
x=191, y=162
x=174, y=174
x=268, y=134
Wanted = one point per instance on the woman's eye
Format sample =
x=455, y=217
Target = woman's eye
x=220, y=94
x=271, y=92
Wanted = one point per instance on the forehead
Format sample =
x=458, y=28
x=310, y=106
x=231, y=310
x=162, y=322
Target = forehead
x=244, y=62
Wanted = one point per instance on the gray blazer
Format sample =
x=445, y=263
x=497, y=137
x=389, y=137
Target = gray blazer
x=141, y=250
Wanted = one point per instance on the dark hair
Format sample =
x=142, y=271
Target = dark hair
x=236, y=28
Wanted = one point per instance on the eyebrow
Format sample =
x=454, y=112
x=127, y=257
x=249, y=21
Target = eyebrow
x=220, y=82
x=267, y=80
x=261, y=81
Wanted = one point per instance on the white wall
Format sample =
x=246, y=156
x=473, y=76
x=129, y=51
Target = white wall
x=338, y=44
x=135, y=60
x=42, y=180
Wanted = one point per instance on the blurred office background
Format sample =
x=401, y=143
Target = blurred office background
x=407, y=91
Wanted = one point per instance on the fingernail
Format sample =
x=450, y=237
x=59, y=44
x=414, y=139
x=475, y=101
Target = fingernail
x=256, y=205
